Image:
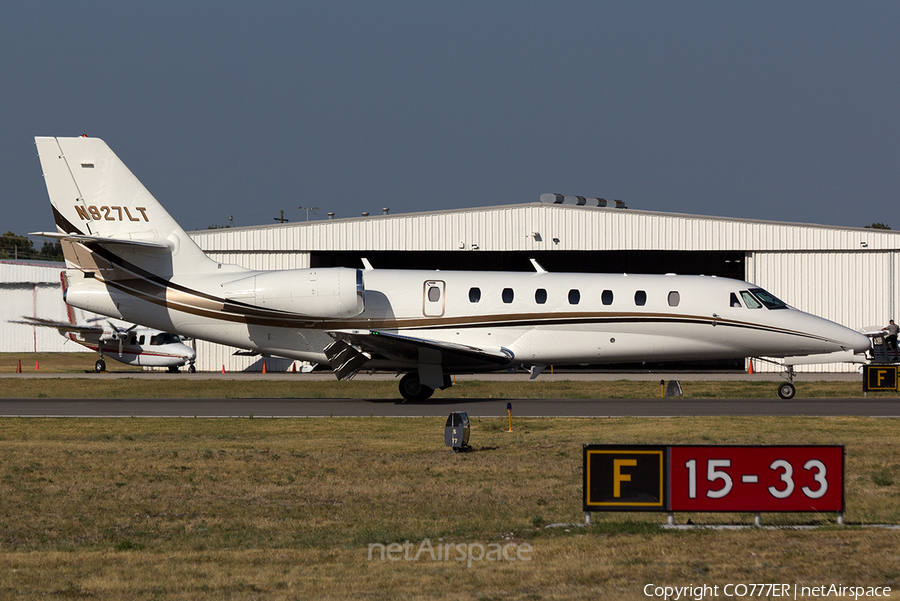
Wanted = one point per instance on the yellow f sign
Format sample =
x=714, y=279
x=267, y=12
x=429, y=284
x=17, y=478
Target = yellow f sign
x=619, y=477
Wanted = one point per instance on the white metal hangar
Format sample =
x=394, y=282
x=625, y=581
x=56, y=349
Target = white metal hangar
x=846, y=274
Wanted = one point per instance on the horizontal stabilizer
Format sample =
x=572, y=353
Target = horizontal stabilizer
x=159, y=245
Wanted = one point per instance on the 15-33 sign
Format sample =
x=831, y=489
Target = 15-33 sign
x=713, y=478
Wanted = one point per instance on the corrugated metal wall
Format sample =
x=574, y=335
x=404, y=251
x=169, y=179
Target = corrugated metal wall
x=215, y=357
x=33, y=290
x=856, y=289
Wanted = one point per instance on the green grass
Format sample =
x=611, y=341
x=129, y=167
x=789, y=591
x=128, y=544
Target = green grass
x=286, y=509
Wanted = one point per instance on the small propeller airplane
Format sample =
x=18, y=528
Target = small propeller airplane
x=129, y=259
x=133, y=345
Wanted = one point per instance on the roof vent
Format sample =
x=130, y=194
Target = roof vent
x=580, y=201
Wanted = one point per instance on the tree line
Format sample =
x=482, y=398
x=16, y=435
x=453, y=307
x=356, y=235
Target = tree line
x=21, y=247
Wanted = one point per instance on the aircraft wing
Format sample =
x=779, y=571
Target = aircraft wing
x=62, y=326
x=407, y=351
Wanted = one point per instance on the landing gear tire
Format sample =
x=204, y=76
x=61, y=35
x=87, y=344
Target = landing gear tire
x=173, y=369
x=100, y=366
x=192, y=369
x=413, y=390
x=787, y=391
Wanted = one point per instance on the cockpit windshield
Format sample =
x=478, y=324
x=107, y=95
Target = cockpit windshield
x=164, y=338
x=769, y=300
x=750, y=300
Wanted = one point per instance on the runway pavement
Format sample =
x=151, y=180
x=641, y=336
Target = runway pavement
x=42, y=407
x=300, y=408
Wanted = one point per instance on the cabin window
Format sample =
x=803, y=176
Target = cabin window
x=153, y=341
x=769, y=300
x=750, y=300
x=540, y=296
x=507, y=295
x=640, y=298
x=607, y=297
x=434, y=294
x=474, y=295
x=574, y=297
x=674, y=298
x=735, y=302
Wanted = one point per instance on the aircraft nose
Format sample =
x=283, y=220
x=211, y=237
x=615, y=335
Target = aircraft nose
x=849, y=339
x=860, y=343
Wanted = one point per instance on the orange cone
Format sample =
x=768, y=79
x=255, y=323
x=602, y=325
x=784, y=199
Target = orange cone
x=264, y=368
x=750, y=369
x=19, y=367
x=37, y=365
x=223, y=368
x=294, y=367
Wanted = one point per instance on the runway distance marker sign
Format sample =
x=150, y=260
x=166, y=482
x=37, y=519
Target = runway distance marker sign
x=726, y=478
x=880, y=377
x=624, y=478
x=756, y=478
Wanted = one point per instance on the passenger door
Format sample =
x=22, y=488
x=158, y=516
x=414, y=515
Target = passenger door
x=433, y=298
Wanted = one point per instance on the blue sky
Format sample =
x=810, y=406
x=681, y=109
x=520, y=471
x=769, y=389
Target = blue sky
x=786, y=111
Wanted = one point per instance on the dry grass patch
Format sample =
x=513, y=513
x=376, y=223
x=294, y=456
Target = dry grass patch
x=207, y=386
x=281, y=509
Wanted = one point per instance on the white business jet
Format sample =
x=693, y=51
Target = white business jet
x=129, y=259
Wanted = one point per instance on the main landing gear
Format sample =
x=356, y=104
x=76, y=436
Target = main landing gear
x=100, y=365
x=412, y=389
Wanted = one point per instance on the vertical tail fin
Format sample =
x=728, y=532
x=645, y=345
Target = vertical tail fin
x=106, y=217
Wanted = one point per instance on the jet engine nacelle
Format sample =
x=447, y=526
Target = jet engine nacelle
x=86, y=292
x=329, y=293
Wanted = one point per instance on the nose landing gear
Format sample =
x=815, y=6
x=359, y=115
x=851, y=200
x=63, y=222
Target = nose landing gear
x=787, y=390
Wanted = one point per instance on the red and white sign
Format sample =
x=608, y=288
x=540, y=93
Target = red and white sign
x=756, y=478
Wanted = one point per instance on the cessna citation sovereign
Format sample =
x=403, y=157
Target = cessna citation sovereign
x=127, y=258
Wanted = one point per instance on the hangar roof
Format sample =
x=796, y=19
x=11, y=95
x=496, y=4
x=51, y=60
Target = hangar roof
x=542, y=226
